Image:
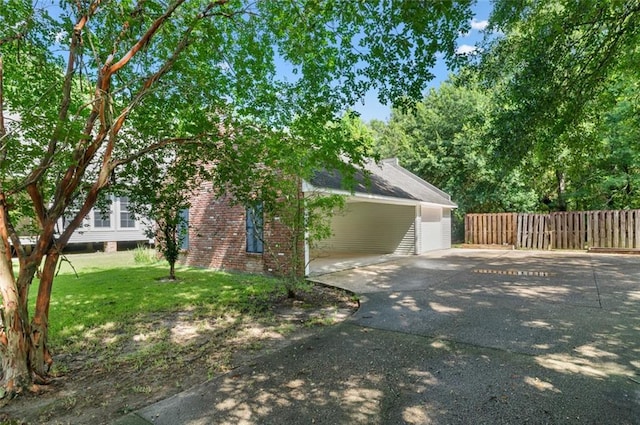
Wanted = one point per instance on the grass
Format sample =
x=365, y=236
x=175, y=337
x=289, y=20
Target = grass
x=118, y=326
x=111, y=291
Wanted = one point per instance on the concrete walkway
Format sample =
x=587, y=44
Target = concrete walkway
x=454, y=337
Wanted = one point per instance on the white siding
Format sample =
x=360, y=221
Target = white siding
x=446, y=228
x=85, y=236
x=372, y=228
x=431, y=229
x=408, y=243
x=115, y=233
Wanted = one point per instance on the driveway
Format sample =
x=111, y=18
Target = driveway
x=453, y=337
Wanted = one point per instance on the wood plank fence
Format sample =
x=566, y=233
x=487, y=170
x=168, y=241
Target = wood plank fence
x=560, y=230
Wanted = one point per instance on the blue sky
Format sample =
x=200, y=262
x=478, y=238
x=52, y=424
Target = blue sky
x=371, y=108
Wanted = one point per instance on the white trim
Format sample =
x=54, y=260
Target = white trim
x=111, y=227
x=118, y=211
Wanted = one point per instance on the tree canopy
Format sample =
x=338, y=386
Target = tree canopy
x=560, y=74
x=554, y=60
x=445, y=140
x=544, y=118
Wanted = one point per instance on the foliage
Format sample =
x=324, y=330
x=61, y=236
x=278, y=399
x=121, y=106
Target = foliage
x=275, y=187
x=144, y=255
x=552, y=63
x=298, y=220
x=553, y=75
x=445, y=140
x=89, y=87
x=546, y=118
x=161, y=191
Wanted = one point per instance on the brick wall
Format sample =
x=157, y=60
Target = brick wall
x=278, y=247
x=217, y=237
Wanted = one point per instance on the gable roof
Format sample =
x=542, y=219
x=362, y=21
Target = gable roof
x=386, y=178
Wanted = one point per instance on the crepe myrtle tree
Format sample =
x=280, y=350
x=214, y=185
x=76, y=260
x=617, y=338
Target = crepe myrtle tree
x=87, y=87
x=284, y=218
x=160, y=188
x=303, y=221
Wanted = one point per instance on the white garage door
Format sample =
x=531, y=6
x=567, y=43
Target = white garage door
x=431, y=229
x=368, y=227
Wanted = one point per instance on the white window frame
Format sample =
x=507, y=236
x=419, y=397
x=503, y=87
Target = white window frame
x=95, y=211
x=120, y=210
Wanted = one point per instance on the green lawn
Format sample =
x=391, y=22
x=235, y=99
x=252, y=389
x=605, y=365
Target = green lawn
x=120, y=335
x=111, y=291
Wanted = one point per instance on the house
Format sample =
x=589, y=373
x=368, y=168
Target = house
x=108, y=230
x=117, y=227
x=390, y=211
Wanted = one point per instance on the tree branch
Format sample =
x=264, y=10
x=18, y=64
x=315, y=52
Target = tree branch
x=3, y=130
x=84, y=154
x=4, y=229
x=38, y=172
x=109, y=70
x=18, y=36
x=151, y=80
x=38, y=203
x=159, y=145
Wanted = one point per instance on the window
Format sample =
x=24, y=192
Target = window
x=126, y=216
x=101, y=220
x=255, y=223
x=183, y=229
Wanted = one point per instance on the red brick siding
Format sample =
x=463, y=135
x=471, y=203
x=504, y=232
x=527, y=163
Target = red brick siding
x=278, y=247
x=217, y=238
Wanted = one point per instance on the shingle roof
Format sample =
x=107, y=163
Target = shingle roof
x=386, y=178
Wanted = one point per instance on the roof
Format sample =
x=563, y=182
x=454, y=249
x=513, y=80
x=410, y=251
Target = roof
x=386, y=178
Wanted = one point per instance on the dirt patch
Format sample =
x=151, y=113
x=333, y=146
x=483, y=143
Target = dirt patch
x=161, y=355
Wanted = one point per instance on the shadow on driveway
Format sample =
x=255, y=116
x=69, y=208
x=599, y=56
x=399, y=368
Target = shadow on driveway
x=455, y=337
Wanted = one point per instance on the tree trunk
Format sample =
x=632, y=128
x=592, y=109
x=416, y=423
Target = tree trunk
x=172, y=270
x=14, y=335
x=23, y=344
x=562, y=202
x=40, y=360
x=15, y=352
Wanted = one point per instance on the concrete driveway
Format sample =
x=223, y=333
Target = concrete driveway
x=453, y=337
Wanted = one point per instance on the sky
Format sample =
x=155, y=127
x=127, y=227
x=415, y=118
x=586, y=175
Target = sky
x=371, y=108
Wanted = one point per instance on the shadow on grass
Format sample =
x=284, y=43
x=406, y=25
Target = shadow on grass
x=110, y=300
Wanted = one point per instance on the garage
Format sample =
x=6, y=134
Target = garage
x=394, y=213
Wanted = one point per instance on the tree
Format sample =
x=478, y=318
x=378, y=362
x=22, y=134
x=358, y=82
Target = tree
x=445, y=140
x=550, y=70
x=604, y=174
x=89, y=87
x=160, y=188
x=550, y=67
x=273, y=191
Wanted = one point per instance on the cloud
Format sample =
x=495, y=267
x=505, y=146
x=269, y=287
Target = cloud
x=479, y=25
x=61, y=36
x=466, y=50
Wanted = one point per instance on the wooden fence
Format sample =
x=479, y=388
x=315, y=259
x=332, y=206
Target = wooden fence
x=561, y=230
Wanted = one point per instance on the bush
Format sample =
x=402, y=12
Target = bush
x=144, y=255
